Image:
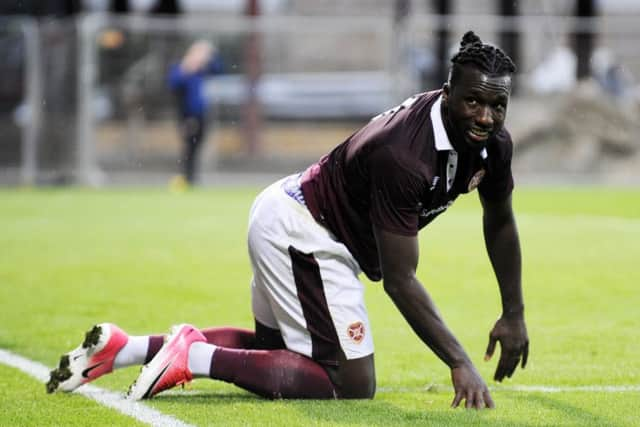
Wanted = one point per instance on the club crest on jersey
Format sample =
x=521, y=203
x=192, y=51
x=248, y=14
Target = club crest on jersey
x=356, y=332
x=476, y=179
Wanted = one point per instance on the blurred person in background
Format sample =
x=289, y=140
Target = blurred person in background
x=186, y=79
x=357, y=210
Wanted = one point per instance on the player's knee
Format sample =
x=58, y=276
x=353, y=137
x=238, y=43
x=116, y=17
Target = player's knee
x=364, y=388
x=356, y=378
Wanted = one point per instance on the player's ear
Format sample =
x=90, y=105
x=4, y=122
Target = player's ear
x=445, y=91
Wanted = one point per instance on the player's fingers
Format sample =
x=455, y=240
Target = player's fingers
x=525, y=355
x=488, y=400
x=469, y=400
x=490, y=348
x=502, y=368
x=456, y=399
x=513, y=364
x=497, y=376
x=478, y=400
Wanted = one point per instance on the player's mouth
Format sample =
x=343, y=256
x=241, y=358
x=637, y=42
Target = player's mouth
x=478, y=135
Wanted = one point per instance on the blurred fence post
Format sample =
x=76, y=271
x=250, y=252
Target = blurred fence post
x=443, y=9
x=399, y=47
x=584, y=40
x=33, y=86
x=252, y=114
x=510, y=38
x=86, y=165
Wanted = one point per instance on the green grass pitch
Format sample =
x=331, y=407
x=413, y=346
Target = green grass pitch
x=147, y=259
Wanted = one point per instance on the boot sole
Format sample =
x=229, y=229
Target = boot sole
x=62, y=372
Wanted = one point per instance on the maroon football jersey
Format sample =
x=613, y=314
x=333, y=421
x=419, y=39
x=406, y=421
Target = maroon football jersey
x=399, y=172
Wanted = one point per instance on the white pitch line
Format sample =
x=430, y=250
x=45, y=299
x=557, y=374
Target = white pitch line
x=154, y=417
x=524, y=388
x=570, y=389
x=110, y=399
x=613, y=221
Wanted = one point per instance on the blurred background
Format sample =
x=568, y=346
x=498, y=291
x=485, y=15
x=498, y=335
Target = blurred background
x=85, y=93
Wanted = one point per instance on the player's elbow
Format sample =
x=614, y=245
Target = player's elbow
x=403, y=290
x=396, y=285
x=391, y=287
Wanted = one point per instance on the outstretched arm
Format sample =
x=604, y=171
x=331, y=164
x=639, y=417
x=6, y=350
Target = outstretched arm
x=503, y=246
x=399, y=259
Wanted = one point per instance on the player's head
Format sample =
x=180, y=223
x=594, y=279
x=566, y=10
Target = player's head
x=198, y=54
x=477, y=91
x=489, y=59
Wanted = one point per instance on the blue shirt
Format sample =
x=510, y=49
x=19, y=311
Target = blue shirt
x=189, y=87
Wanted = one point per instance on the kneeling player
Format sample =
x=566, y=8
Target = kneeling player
x=359, y=209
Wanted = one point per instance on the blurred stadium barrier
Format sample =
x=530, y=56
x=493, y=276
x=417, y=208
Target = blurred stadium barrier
x=96, y=109
x=37, y=98
x=336, y=71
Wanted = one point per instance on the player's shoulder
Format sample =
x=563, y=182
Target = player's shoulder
x=424, y=99
x=504, y=135
x=500, y=148
x=503, y=140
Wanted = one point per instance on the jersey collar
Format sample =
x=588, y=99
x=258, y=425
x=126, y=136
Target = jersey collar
x=440, y=134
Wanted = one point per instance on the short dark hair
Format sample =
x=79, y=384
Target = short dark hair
x=485, y=57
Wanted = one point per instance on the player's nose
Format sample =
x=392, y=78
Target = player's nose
x=484, y=117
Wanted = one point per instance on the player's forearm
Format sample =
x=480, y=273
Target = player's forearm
x=503, y=247
x=418, y=309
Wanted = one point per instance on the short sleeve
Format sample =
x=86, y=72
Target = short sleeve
x=498, y=183
x=396, y=191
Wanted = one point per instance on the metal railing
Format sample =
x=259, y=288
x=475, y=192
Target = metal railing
x=313, y=68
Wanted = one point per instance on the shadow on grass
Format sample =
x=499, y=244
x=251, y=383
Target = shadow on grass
x=572, y=415
x=376, y=412
x=540, y=410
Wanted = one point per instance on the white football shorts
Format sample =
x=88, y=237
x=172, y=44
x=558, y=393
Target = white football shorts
x=305, y=282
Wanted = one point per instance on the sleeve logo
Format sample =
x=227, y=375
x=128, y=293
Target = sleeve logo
x=476, y=179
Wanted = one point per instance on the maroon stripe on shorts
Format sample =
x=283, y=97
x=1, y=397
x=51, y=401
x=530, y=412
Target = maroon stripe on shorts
x=325, y=346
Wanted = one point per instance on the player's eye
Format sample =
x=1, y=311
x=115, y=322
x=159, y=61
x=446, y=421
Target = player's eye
x=472, y=102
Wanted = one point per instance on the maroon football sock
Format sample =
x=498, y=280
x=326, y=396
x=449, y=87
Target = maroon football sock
x=225, y=337
x=272, y=373
x=230, y=337
x=155, y=344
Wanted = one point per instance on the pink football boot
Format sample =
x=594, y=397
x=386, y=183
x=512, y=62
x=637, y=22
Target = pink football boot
x=92, y=359
x=168, y=368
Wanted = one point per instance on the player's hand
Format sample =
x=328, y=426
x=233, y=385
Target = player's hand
x=470, y=387
x=511, y=332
